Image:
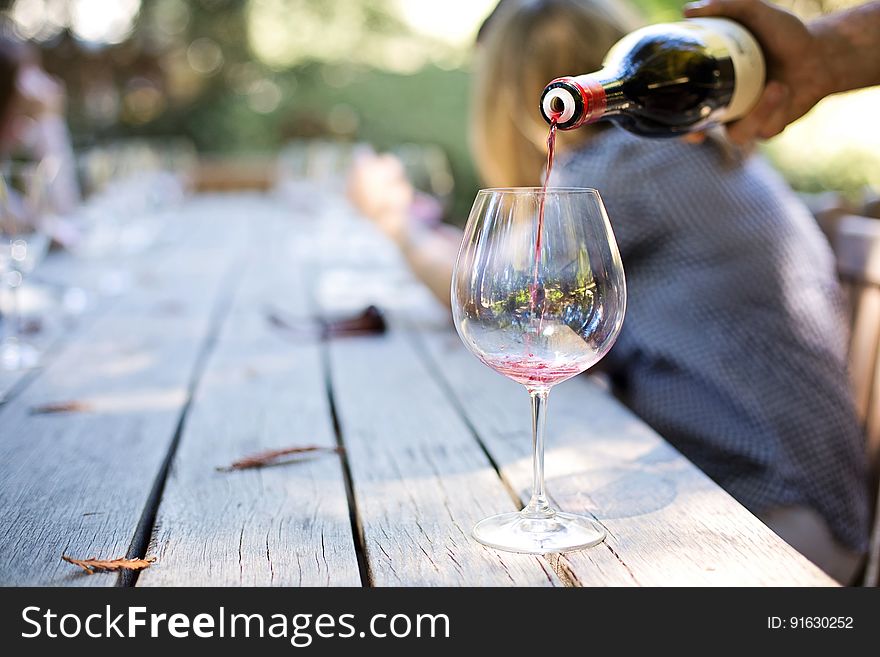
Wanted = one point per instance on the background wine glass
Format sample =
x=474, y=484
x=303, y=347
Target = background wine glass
x=130, y=190
x=23, y=243
x=538, y=317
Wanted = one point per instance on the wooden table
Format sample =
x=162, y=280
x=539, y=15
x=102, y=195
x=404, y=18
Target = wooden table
x=184, y=372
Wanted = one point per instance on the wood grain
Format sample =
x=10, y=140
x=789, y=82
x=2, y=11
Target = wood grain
x=668, y=524
x=420, y=479
x=423, y=422
x=864, y=344
x=285, y=525
x=78, y=483
x=857, y=248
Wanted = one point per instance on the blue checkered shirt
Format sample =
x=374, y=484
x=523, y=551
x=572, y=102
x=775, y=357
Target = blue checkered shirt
x=735, y=340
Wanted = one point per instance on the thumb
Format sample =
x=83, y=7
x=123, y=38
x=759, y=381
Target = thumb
x=740, y=10
x=700, y=8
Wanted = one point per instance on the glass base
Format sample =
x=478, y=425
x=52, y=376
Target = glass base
x=559, y=532
x=17, y=355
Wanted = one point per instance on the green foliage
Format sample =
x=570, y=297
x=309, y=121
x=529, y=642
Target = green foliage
x=384, y=108
x=427, y=107
x=656, y=11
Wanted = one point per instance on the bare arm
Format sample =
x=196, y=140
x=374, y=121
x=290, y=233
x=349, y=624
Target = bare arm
x=378, y=187
x=850, y=42
x=806, y=62
x=431, y=256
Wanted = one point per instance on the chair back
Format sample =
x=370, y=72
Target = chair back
x=856, y=242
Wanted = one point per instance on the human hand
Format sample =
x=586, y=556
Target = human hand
x=379, y=188
x=797, y=73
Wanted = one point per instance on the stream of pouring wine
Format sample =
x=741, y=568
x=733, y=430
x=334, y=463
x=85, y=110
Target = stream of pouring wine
x=539, y=237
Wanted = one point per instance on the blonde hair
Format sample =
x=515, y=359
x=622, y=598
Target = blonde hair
x=527, y=44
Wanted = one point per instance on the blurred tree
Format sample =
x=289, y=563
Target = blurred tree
x=237, y=75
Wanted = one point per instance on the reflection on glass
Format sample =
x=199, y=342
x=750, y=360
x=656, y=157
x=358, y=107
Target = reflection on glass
x=538, y=316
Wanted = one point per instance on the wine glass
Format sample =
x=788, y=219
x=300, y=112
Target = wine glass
x=539, y=300
x=23, y=243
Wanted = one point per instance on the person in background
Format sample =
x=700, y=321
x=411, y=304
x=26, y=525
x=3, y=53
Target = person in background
x=378, y=186
x=807, y=62
x=32, y=125
x=507, y=153
x=734, y=344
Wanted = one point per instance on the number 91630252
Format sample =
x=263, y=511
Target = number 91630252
x=810, y=623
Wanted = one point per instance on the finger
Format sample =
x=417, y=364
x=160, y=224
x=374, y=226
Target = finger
x=392, y=164
x=749, y=128
x=775, y=123
x=702, y=8
x=739, y=10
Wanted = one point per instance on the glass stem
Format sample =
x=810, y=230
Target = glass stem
x=9, y=320
x=15, y=317
x=4, y=326
x=538, y=506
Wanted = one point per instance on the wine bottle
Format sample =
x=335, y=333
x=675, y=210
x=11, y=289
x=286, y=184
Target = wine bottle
x=665, y=80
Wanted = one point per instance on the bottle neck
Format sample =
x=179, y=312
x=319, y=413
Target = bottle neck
x=615, y=100
x=570, y=102
x=611, y=84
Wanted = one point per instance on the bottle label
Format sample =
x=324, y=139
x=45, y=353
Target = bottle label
x=748, y=63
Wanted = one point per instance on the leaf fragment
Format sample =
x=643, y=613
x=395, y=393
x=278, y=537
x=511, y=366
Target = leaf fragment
x=271, y=457
x=92, y=566
x=61, y=407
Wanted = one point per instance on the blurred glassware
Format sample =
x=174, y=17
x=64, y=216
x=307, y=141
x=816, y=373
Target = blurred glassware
x=319, y=160
x=307, y=169
x=428, y=169
x=129, y=187
x=24, y=242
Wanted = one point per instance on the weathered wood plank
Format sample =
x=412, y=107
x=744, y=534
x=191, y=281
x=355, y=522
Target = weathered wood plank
x=408, y=402
x=77, y=483
x=420, y=479
x=263, y=388
x=864, y=347
x=668, y=524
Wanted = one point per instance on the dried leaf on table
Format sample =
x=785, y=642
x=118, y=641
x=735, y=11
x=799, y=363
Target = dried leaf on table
x=271, y=457
x=92, y=566
x=31, y=326
x=277, y=321
x=171, y=307
x=61, y=407
x=368, y=321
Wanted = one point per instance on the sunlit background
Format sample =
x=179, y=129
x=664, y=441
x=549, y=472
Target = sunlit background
x=251, y=75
